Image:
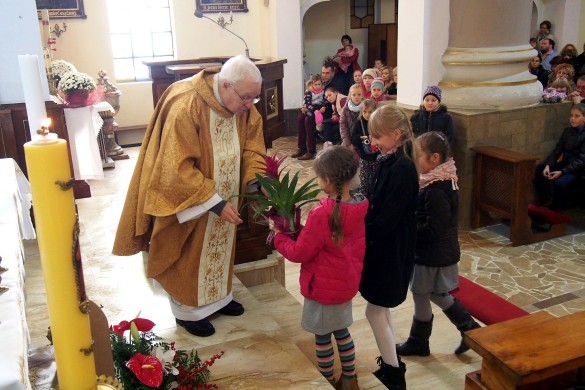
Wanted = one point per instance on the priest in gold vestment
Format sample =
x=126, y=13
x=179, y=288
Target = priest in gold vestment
x=203, y=145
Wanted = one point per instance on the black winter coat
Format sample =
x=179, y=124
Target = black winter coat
x=572, y=147
x=437, y=241
x=390, y=232
x=423, y=121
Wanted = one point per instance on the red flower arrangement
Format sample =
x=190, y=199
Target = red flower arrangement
x=143, y=361
x=280, y=200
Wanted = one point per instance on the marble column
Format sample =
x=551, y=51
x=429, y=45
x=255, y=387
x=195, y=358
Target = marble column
x=488, y=54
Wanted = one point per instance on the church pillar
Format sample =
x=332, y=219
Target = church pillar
x=488, y=54
x=423, y=33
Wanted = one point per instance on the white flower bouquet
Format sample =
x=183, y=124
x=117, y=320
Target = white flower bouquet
x=60, y=67
x=79, y=90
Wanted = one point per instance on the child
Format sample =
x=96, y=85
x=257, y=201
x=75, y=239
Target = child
x=559, y=91
x=437, y=247
x=335, y=103
x=368, y=76
x=559, y=174
x=362, y=145
x=390, y=235
x=331, y=249
x=348, y=51
x=350, y=113
x=313, y=102
x=432, y=115
x=314, y=95
x=377, y=89
x=357, y=76
x=378, y=64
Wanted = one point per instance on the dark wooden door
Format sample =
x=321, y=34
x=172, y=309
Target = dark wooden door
x=383, y=43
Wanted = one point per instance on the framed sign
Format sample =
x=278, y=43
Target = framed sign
x=62, y=9
x=221, y=5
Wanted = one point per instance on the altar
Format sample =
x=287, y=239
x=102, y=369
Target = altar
x=15, y=225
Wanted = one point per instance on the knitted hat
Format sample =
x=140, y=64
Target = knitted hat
x=433, y=90
x=378, y=82
x=369, y=72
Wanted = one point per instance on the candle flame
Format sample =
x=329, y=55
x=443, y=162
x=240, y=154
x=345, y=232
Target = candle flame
x=46, y=122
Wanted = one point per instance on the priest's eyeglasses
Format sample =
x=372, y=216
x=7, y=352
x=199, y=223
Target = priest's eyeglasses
x=245, y=101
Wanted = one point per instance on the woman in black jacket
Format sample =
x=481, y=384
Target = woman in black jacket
x=390, y=235
x=565, y=164
x=535, y=68
x=432, y=115
x=435, y=272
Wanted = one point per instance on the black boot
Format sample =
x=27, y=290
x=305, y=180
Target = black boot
x=459, y=316
x=418, y=341
x=392, y=377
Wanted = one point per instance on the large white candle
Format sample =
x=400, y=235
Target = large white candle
x=33, y=91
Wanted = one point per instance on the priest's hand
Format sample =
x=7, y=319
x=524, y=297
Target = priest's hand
x=230, y=214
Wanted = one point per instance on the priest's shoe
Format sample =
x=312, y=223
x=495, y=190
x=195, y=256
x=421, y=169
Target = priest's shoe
x=232, y=309
x=201, y=328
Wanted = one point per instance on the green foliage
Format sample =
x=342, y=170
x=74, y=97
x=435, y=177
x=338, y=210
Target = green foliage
x=283, y=196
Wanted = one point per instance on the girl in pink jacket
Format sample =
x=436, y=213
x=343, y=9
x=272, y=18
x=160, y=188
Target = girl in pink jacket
x=331, y=250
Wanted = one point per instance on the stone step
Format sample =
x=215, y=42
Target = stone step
x=287, y=312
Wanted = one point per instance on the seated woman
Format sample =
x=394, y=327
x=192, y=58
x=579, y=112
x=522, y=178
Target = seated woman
x=562, y=71
x=564, y=165
x=569, y=54
x=386, y=74
x=392, y=90
x=535, y=68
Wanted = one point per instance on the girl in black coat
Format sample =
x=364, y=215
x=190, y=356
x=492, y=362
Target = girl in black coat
x=432, y=116
x=435, y=272
x=390, y=235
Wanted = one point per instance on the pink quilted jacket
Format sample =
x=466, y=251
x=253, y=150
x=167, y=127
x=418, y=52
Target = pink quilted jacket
x=329, y=274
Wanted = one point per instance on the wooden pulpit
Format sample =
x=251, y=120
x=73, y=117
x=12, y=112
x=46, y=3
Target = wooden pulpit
x=270, y=106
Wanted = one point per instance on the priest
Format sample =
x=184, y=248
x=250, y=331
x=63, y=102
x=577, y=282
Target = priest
x=203, y=145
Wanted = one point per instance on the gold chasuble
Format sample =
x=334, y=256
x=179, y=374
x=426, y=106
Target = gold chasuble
x=192, y=150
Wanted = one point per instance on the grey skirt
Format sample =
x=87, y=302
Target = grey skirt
x=439, y=280
x=323, y=319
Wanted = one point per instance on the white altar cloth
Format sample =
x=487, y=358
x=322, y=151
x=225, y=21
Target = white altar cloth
x=83, y=127
x=15, y=223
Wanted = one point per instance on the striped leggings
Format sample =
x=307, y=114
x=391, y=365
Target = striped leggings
x=326, y=357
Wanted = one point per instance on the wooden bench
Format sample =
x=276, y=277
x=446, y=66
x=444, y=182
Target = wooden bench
x=503, y=187
x=536, y=352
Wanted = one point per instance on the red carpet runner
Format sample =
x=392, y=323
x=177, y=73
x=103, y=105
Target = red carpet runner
x=484, y=305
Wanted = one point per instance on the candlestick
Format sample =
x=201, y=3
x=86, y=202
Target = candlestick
x=33, y=92
x=56, y=221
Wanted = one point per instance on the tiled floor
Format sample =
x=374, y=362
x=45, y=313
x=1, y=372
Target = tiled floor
x=544, y=276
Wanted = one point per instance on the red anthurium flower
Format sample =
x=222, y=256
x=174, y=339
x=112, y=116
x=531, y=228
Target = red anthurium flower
x=272, y=165
x=148, y=369
x=142, y=324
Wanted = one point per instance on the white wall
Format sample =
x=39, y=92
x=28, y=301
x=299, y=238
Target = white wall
x=86, y=44
x=567, y=20
x=323, y=25
x=19, y=34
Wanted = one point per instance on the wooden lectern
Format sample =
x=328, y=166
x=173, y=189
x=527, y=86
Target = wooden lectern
x=251, y=237
x=270, y=106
